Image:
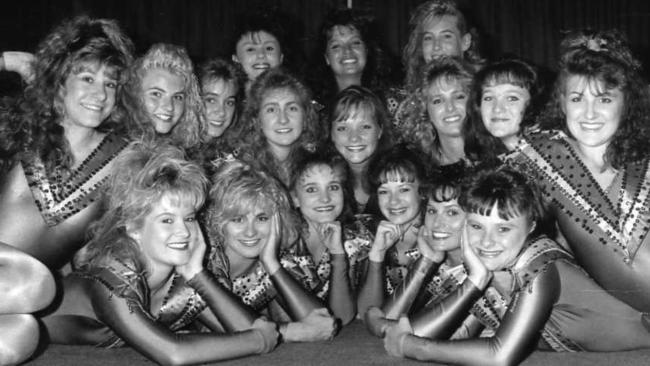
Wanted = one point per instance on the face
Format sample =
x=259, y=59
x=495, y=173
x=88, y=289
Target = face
x=169, y=233
x=357, y=136
x=445, y=220
x=219, y=99
x=281, y=116
x=258, y=52
x=447, y=107
x=164, y=98
x=319, y=194
x=399, y=201
x=593, y=113
x=346, y=53
x=246, y=234
x=496, y=241
x=502, y=109
x=441, y=37
x=88, y=96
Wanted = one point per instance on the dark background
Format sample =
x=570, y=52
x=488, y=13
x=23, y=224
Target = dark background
x=528, y=28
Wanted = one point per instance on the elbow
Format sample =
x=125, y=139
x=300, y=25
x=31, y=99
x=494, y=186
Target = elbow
x=171, y=356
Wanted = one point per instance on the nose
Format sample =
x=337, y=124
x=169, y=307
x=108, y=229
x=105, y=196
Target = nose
x=487, y=241
x=325, y=196
x=284, y=117
x=260, y=53
x=217, y=110
x=393, y=198
x=250, y=230
x=498, y=106
x=100, y=92
x=347, y=50
x=183, y=229
x=355, y=135
x=590, y=112
x=437, y=222
x=449, y=105
x=166, y=105
x=437, y=44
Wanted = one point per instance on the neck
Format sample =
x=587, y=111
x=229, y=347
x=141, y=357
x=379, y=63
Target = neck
x=158, y=276
x=594, y=157
x=511, y=142
x=452, y=149
x=239, y=265
x=280, y=152
x=344, y=81
x=454, y=257
x=82, y=141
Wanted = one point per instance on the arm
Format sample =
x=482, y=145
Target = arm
x=401, y=300
x=515, y=339
x=340, y=294
x=132, y=323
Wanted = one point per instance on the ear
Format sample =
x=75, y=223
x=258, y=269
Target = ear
x=532, y=227
x=294, y=198
x=235, y=59
x=132, y=232
x=466, y=42
x=327, y=60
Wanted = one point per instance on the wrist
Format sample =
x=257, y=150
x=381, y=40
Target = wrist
x=271, y=265
x=480, y=281
x=376, y=255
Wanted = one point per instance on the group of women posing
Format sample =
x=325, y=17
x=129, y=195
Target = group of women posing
x=214, y=216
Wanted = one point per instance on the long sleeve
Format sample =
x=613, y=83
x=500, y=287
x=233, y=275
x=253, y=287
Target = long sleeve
x=340, y=298
x=228, y=308
x=299, y=302
x=515, y=339
x=402, y=298
x=133, y=324
x=372, y=291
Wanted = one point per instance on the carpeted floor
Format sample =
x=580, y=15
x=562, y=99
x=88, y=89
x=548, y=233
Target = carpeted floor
x=353, y=346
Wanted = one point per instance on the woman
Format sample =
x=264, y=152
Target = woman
x=352, y=55
x=162, y=98
x=593, y=169
x=249, y=219
x=141, y=277
x=359, y=129
x=506, y=96
x=438, y=112
x=397, y=176
x=279, y=123
x=222, y=91
x=546, y=293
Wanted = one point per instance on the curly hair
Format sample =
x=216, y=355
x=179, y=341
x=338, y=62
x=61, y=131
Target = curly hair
x=254, y=147
x=36, y=119
x=418, y=130
x=145, y=172
x=605, y=58
x=412, y=56
x=480, y=145
x=350, y=101
x=237, y=188
x=186, y=133
x=331, y=158
x=378, y=69
x=444, y=187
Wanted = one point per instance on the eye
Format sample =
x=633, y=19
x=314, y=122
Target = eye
x=335, y=187
x=431, y=211
x=335, y=46
x=270, y=48
x=155, y=93
x=605, y=100
x=382, y=191
x=453, y=212
x=88, y=79
x=474, y=226
x=210, y=100
x=427, y=38
x=191, y=218
x=236, y=219
x=504, y=229
x=357, y=43
x=487, y=98
x=270, y=109
x=294, y=108
x=111, y=84
x=513, y=98
x=448, y=36
x=230, y=103
x=263, y=218
x=250, y=49
x=461, y=96
x=405, y=189
x=179, y=97
x=576, y=99
x=435, y=101
x=341, y=128
x=368, y=126
x=167, y=220
x=310, y=190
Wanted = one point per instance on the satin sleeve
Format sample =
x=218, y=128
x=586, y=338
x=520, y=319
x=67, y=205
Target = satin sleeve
x=130, y=321
x=513, y=341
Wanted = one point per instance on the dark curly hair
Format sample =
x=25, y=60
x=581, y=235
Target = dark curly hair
x=34, y=124
x=605, y=57
x=254, y=147
x=480, y=145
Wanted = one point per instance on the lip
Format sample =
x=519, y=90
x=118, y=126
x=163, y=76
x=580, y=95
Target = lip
x=452, y=119
x=93, y=107
x=262, y=66
x=488, y=253
x=283, y=130
x=182, y=245
x=249, y=242
x=163, y=117
x=328, y=208
x=349, y=61
x=438, y=235
x=591, y=125
x=497, y=120
x=356, y=148
x=397, y=211
x=217, y=123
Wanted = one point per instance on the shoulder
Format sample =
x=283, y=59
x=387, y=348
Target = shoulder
x=116, y=279
x=536, y=258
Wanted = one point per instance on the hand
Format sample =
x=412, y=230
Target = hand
x=195, y=264
x=386, y=236
x=396, y=336
x=269, y=255
x=20, y=62
x=269, y=332
x=376, y=321
x=477, y=272
x=319, y=325
x=425, y=245
x=330, y=234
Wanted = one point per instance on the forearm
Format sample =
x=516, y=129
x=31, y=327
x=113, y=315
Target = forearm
x=228, y=308
x=340, y=298
x=400, y=301
x=477, y=351
x=298, y=301
x=439, y=321
x=372, y=291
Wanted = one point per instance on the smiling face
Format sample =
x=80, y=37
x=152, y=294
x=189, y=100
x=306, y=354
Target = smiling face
x=441, y=37
x=319, y=194
x=245, y=234
x=399, y=201
x=497, y=241
x=593, y=112
x=346, y=53
x=356, y=137
x=445, y=221
x=219, y=100
x=258, y=52
x=164, y=98
x=281, y=115
x=169, y=233
x=502, y=110
x=447, y=106
x=88, y=95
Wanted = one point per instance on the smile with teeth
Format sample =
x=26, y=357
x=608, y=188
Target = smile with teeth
x=397, y=211
x=179, y=245
x=324, y=209
x=488, y=253
x=591, y=125
x=249, y=242
x=349, y=61
x=495, y=119
x=284, y=130
x=261, y=66
x=440, y=235
x=92, y=107
x=356, y=148
x=163, y=117
x=217, y=123
x=452, y=119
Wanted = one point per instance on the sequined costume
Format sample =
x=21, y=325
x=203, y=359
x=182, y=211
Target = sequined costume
x=606, y=229
x=110, y=306
x=50, y=211
x=547, y=294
